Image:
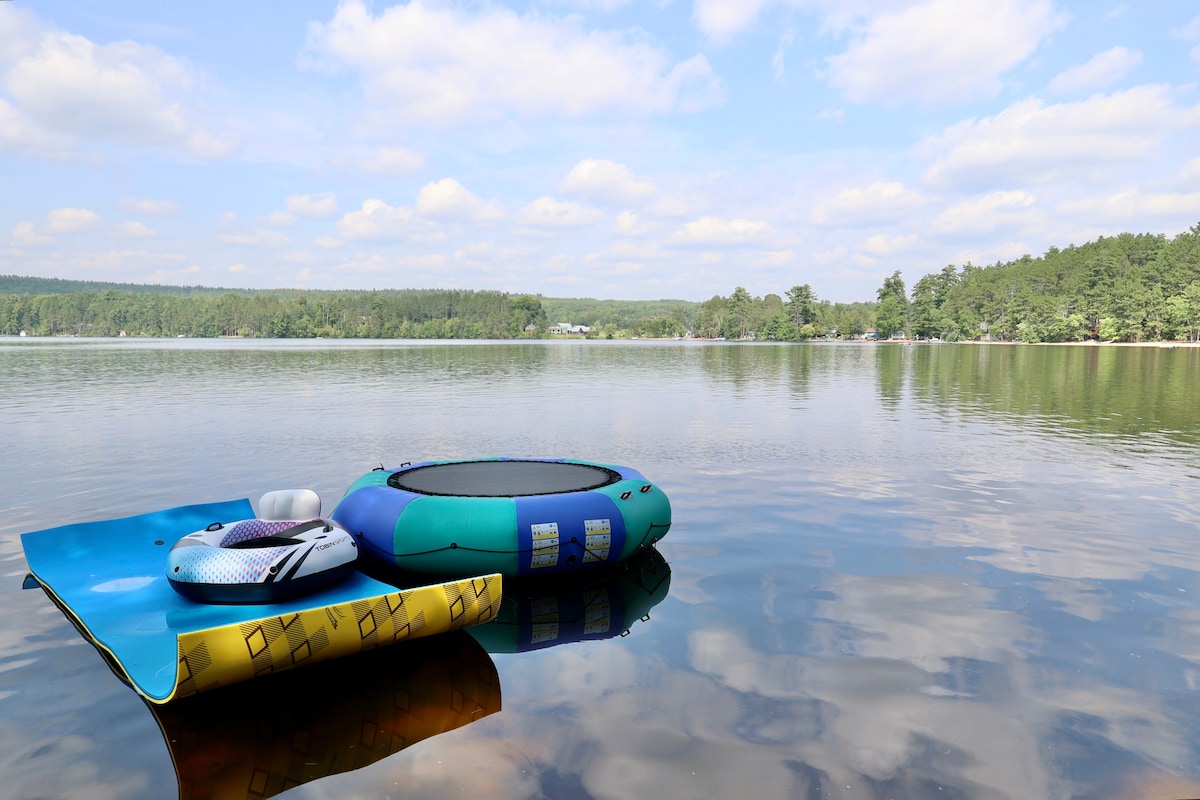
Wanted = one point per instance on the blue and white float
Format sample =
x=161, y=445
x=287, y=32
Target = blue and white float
x=287, y=551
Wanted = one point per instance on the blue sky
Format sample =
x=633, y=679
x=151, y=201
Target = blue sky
x=587, y=148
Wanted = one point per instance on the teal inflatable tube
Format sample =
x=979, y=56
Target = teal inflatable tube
x=518, y=517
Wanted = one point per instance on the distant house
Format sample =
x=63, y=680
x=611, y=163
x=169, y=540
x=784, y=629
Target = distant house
x=566, y=328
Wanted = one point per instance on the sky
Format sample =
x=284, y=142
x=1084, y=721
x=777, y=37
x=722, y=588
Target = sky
x=612, y=149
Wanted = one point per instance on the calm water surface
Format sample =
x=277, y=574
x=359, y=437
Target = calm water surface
x=895, y=571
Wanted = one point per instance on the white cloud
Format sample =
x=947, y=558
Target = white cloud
x=262, y=237
x=1117, y=11
x=181, y=277
x=716, y=230
x=17, y=132
x=607, y=182
x=134, y=230
x=378, y=220
x=679, y=205
x=721, y=20
x=830, y=256
x=1174, y=210
x=209, y=145
x=146, y=207
x=776, y=258
x=634, y=250
x=628, y=223
x=313, y=206
x=22, y=30
x=606, y=179
x=778, y=70
x=441, y=65
x=589, y=5
x=448, y=199
x=1098, y=72
x=941, y=51
x=546, y=212
x=984, y=214
x=396, y=161
x=883, y=245
x=1033, y=142
x=1189, y=31
x=882, y=201
x=122, y=91
x=299, y=257
x=26, y=234
x=422, y=267
x=67, y=220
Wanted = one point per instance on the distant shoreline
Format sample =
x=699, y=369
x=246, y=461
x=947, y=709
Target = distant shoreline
x=1168, y=345
x=1164, y=345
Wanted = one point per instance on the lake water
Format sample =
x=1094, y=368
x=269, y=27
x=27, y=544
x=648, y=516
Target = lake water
x=895, y=571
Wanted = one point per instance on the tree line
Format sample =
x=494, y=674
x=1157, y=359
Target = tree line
x=1128, y=288
x=404, y=314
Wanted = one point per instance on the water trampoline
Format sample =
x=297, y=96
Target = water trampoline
x=514, y=516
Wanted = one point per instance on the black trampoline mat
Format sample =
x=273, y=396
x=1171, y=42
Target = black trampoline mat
x=502, y=478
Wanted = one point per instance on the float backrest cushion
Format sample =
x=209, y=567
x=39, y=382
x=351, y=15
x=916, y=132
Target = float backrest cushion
x=290, y=504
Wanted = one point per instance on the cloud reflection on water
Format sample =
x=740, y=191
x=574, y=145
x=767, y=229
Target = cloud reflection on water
x=963, y=676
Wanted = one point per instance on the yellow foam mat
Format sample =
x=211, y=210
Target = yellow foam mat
x=108, y=579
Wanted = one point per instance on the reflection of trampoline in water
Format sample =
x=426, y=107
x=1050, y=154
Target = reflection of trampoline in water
x=261, y=738
x=543, y=613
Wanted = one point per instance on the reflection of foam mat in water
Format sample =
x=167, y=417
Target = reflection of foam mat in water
x=108, y=579
x=257, y=740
